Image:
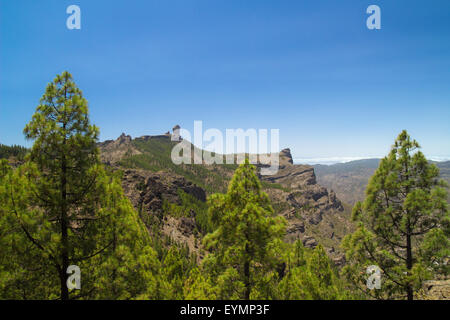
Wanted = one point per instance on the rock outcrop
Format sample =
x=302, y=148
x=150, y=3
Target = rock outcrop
x=312, y=211
x=112, y=151
x=148, y=191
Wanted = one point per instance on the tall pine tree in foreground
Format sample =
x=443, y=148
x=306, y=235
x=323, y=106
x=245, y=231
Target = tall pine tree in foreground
x=403, y=224
x=62, y=208
x=248, y=258
x=246, y=245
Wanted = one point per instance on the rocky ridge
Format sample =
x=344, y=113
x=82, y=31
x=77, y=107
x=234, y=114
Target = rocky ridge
x=314, y=214
x=114, y=150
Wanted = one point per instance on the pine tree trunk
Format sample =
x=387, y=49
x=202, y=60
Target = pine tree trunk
x=409, y=260
x=247, y=280
x=64, y=233
x=247, y=273
x=409, y=288
x=63, y=279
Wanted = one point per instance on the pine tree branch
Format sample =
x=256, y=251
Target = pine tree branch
x=27, y=233
x=381, y=266
x=94, y=254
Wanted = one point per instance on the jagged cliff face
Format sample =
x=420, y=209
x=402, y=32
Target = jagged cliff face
x=314, y=214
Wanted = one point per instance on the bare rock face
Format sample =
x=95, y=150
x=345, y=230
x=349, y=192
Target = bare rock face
x=309, y=242
x=180, y=231
x=312, y=211
x=148, y=191
x=293, y=176
x=112, y=151
x=313, y=202
x=153, y=188
x=435, y=290
x=339, y=260
x=296, y=227
x=187, y=225
x=285, y=155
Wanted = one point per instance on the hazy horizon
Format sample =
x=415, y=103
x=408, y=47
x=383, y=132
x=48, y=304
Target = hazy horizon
x=336, y=160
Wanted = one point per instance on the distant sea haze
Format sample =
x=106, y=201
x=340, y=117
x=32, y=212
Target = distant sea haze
x=334, y=160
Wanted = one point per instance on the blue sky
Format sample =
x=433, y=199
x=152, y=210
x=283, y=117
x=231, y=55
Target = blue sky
x=310, y=68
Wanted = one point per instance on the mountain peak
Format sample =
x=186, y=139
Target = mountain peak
x=124, y=138
x=286, y=153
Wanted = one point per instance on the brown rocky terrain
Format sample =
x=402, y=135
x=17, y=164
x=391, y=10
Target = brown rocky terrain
x=114, y=150
x=148, y=191
x=435, y=290
x=314, y=214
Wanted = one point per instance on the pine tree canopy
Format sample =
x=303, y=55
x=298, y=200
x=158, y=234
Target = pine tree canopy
x=61, y=208
x=403, y=224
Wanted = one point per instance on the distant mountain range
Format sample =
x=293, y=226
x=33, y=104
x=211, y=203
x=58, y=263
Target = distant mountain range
x=349, y=180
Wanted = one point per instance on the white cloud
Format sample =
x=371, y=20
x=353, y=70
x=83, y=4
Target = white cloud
x=334, y=160
x=329, y=160
x=439, y=158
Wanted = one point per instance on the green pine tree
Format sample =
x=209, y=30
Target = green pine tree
x=62, y=208
x=320, y=281
x=199, y=286
x=403, y=224
x=23, y=268
x=246, y=245
x=310, y=276
x=176, y=267
x=128, y=267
